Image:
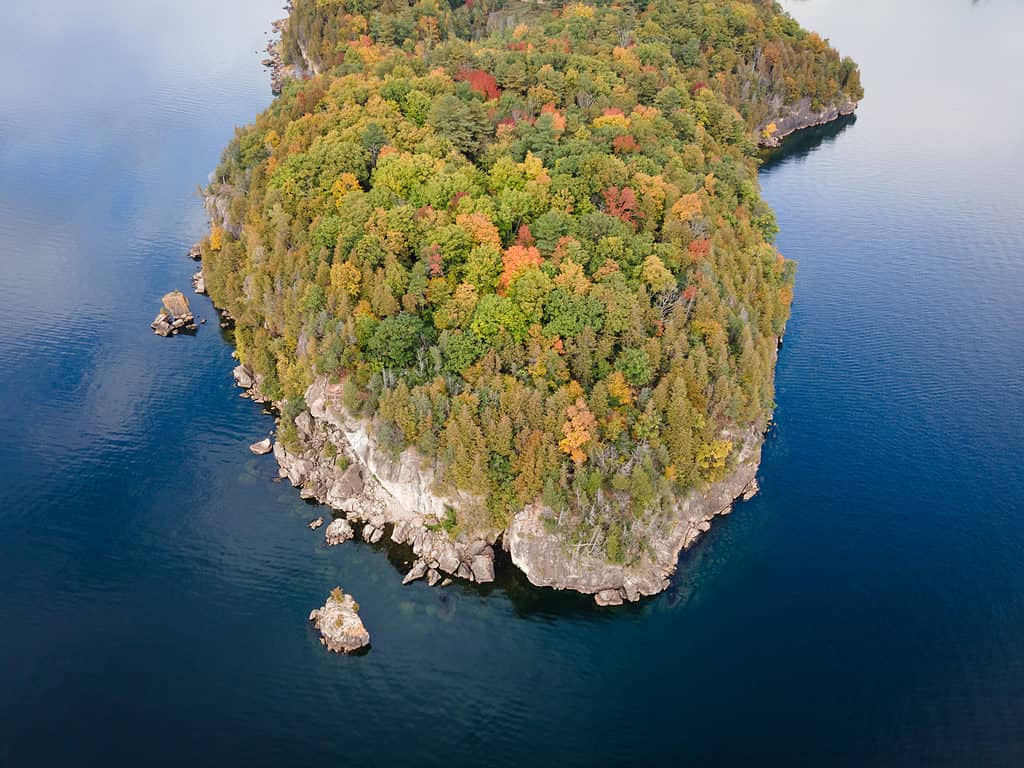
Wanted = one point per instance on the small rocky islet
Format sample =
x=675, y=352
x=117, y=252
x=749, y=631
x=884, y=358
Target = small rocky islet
x=341, y=629
x=175, y=315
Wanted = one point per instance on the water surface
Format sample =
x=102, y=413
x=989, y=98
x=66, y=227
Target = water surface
x=866, y=609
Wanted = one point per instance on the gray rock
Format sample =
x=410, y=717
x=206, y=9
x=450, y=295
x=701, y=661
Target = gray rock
x=433, y=577
x=482, y=567
x=304, y=424
x=448, y=560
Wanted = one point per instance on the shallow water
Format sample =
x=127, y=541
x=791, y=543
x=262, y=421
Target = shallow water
x=154, y=582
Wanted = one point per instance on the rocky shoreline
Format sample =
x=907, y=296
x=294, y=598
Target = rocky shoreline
x=337, y=462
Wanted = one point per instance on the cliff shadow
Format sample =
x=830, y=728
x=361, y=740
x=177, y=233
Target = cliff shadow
x=800, y=144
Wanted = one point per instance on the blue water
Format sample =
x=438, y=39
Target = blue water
x=865, y=609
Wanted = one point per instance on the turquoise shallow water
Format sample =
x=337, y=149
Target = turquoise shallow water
x=866, y=609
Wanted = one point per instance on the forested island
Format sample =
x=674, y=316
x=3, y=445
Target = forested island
x=505, y=269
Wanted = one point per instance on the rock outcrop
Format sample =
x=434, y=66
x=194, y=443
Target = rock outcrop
x=338, y=532
x=341, y=629
x=199, y=282
x=801, y=116
x=175, y=315
x=195, y=252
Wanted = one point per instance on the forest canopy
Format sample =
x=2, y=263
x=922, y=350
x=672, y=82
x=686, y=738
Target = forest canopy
x=528, y=238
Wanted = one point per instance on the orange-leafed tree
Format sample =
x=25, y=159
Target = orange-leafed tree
x=517, y=259
x=578, y=430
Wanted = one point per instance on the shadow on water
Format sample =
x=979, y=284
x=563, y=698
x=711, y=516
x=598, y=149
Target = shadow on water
x=802, y=143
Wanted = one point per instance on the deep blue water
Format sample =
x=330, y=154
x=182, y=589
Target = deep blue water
x=866, y=609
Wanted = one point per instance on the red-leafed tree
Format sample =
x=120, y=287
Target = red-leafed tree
x=699, y=249
x=622, y=203
x=523, y=236
x=481, y=82
x=625, y=144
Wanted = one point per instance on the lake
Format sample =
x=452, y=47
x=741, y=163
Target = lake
x=866, y=609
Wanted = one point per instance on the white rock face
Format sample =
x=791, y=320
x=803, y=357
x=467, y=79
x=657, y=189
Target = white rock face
x=340, y=464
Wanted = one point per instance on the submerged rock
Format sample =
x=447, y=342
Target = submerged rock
x=341, y=629
x=338, y=532
x=262, y=448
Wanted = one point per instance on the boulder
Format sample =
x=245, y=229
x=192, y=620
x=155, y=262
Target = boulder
x=608, y=597
x=195, y=252
x=433, y=577
x=338, y=532
x=243, y=376
x=314, y=524
x=349, y=485
x=262, y=448
x=176, y=304
x=419, y=570
x=175, y=315
x=341, y=629
x=199, y=282
x=482, y=567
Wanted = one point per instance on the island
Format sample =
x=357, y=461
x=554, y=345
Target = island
x=505, y=271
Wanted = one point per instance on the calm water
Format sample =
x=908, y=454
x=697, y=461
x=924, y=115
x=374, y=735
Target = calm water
x=866, y=609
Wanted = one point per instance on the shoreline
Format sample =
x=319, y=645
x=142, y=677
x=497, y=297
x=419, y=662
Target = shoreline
x=338, y=463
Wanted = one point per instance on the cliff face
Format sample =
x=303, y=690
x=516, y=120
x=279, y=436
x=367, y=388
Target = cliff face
x=338, y=462
x=541, y=552
x=800, y=116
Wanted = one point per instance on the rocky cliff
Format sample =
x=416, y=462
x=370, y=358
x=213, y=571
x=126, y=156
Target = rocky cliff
x=799, y=116
x=541, y=551
x=337, y=461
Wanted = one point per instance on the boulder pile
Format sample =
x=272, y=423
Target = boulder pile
x=175, y=315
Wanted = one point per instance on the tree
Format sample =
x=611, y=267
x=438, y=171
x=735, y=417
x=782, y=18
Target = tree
x=577, y=431
x=395, y=340
x=464, y=124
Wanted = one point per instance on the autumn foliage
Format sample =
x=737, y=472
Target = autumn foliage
x=533, y=251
